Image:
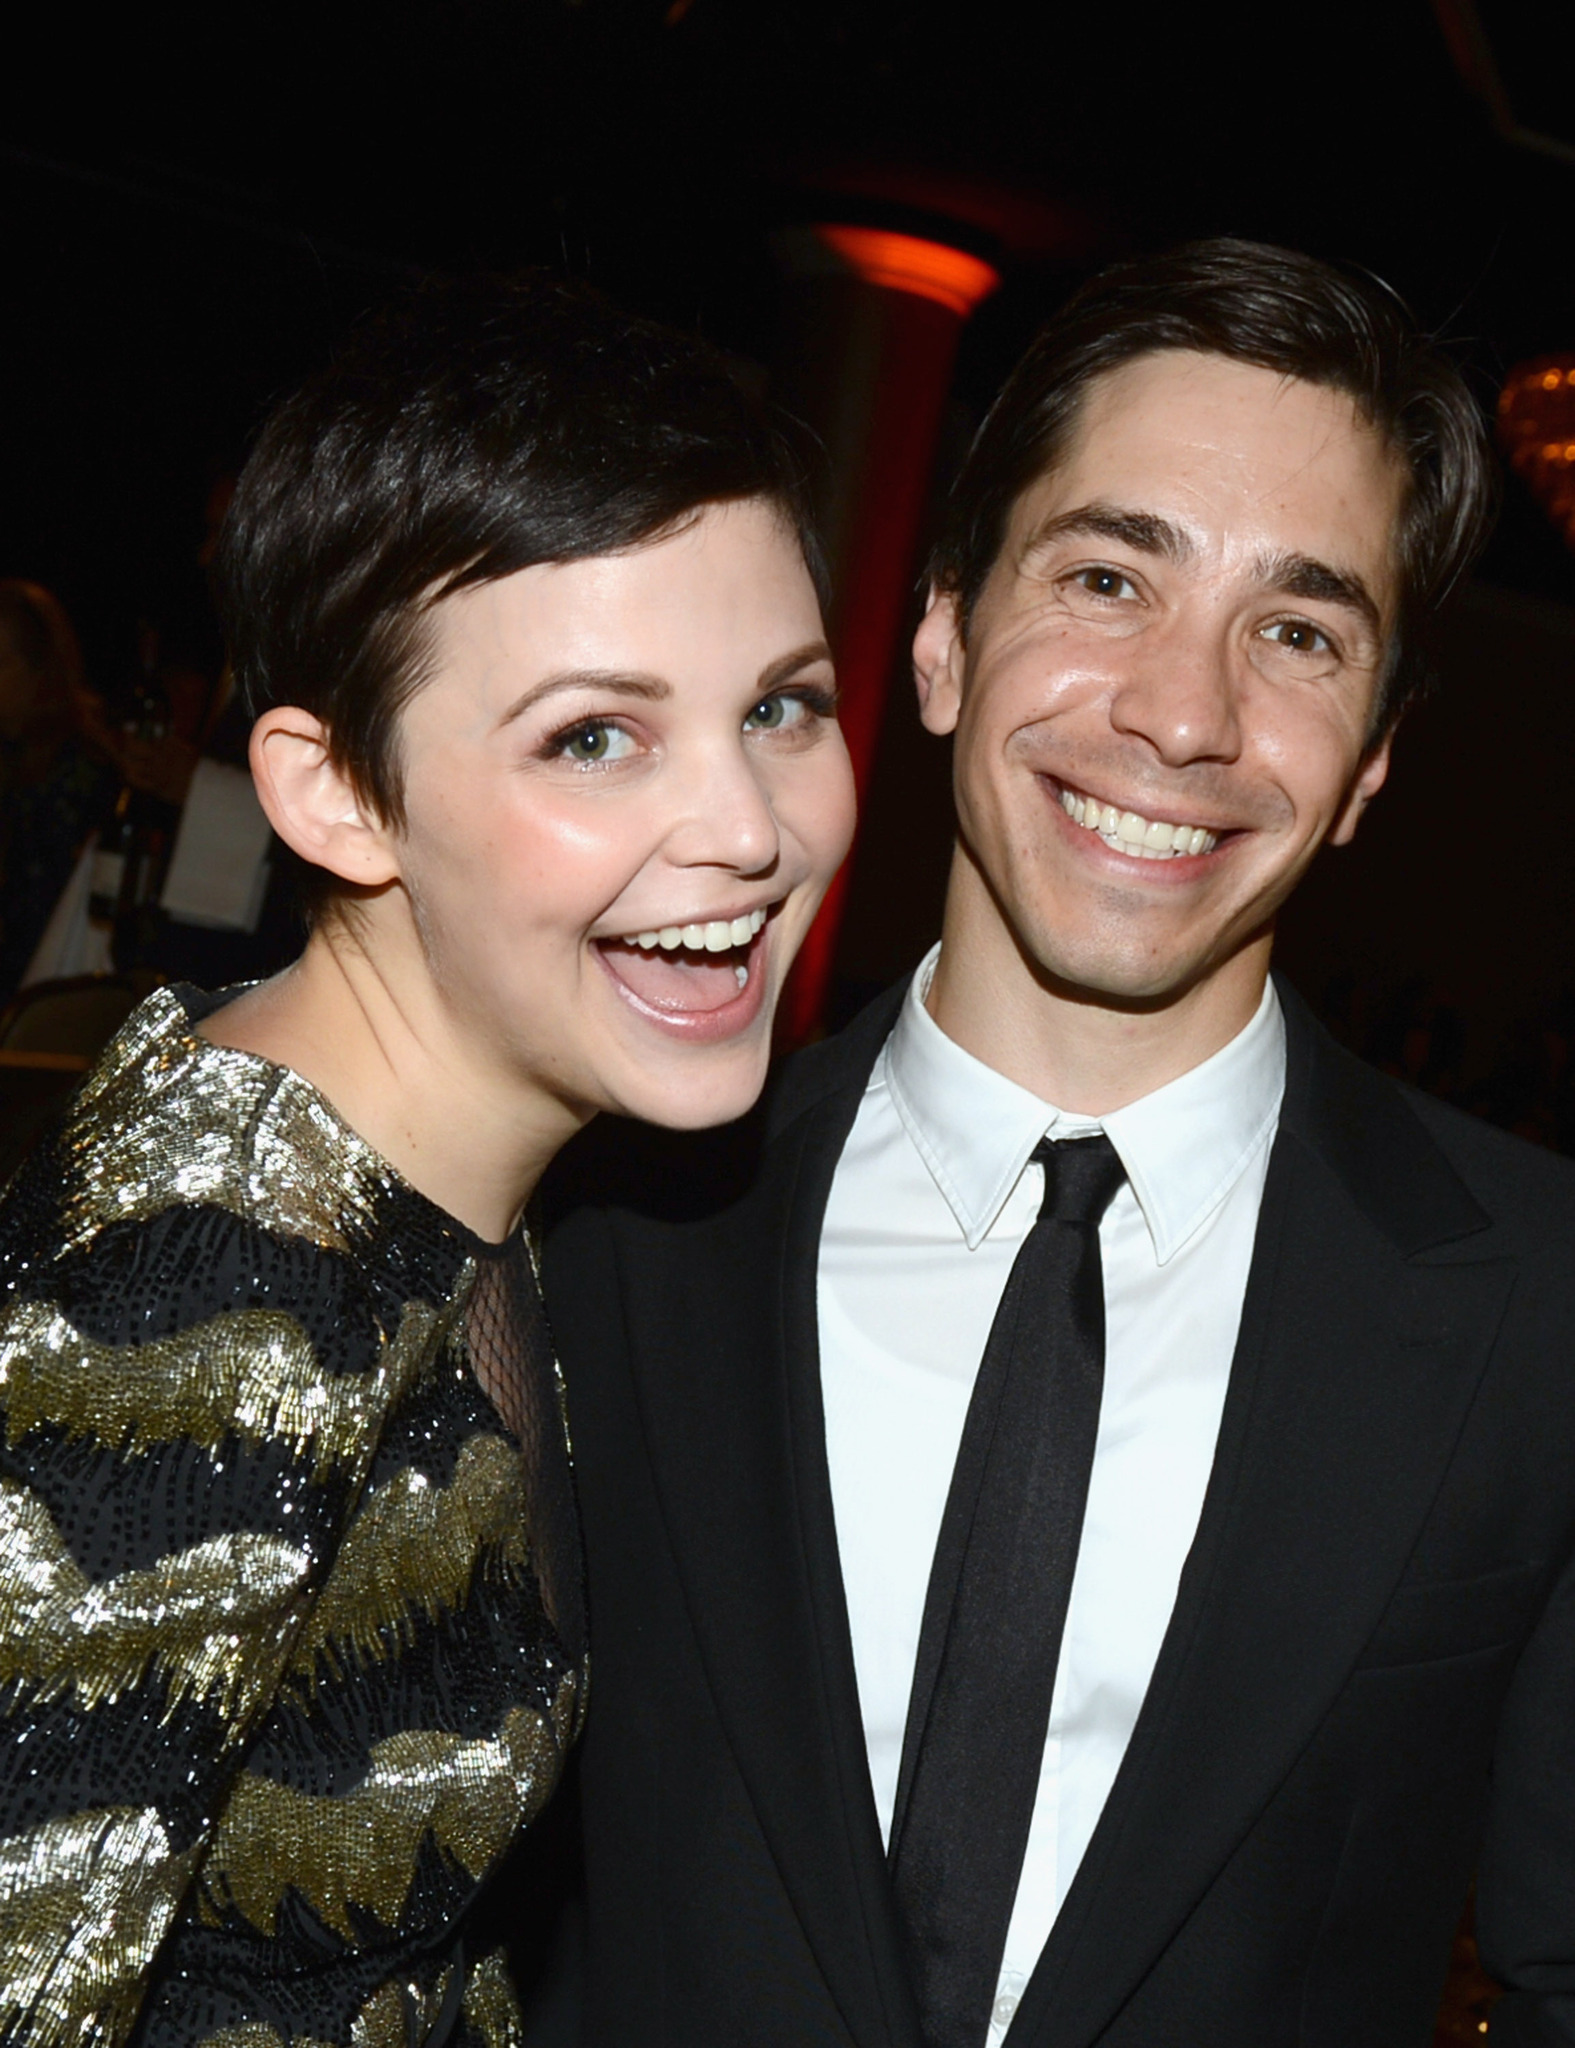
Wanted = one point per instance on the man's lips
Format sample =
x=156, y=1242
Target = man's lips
x=1135, y=835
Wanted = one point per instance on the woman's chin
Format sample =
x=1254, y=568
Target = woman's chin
x=693, y=1093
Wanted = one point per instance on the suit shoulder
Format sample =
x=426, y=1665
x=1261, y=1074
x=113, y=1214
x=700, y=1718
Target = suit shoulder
x=1514, y=1180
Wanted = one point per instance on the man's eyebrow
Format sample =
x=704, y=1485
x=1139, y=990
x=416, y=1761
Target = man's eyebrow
x=615, y=682
x=1306, y=576
x=1146, y=532
x=786, y=666
x=1293, y=575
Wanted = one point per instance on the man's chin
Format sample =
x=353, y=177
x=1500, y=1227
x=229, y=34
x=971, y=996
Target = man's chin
x=1120, y=981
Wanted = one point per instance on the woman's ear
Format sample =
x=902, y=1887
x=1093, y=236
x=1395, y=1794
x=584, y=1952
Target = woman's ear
x=312, y=804
x=938, y=663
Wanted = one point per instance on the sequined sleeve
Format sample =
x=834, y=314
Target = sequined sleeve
x=176, y=1462
x=290, y=1622
x=189, y=1401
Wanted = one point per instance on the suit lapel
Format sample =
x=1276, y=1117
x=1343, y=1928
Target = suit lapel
x=727, y=1371
x=1356, y=1362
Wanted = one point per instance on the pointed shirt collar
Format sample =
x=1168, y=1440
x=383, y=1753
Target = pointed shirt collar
x=1184, y=1147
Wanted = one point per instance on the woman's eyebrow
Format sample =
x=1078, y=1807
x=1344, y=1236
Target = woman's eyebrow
x=617, y=682
x=777, y=672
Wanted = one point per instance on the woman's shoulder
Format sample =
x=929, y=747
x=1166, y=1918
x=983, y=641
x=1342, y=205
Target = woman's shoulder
x=167, y=1124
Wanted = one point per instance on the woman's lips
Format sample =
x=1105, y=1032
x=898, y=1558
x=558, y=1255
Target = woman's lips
x=689, y=991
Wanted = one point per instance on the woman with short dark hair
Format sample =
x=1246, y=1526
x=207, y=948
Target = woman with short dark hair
x=521, y=595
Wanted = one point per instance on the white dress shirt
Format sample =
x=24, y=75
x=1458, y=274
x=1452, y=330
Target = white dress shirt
x=932, y=1197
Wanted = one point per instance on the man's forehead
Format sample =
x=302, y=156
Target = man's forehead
x=1167, y=399
x=1182, y=442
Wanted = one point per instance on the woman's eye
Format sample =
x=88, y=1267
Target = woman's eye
x=593, y=742
x=1102, y=582
x=1299, y=635
x=771, y=714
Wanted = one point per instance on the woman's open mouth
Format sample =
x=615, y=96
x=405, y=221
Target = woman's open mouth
x=698, y=979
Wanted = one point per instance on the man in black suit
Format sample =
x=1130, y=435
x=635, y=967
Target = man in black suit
x=1079, y=1489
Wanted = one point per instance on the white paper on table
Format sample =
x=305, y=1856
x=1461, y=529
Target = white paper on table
x=218, y=872
x=71, y=942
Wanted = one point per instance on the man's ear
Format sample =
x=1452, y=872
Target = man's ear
x=312, y=804
x=938, y=654
x=1370, y=779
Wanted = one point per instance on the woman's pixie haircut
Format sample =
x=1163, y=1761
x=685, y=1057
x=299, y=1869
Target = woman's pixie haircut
x=479, y=427
x=1277, y=310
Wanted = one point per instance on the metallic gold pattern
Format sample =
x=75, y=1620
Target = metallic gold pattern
x=186, y=1618
x=193, y=1693
x=165, y=1117
x=251, y=1374
x=253, y=2034
x=413, y=1549
x=84, y=1903
x=491, y=2008
x=471, y=1796
x=398, y=2013
x=257, y=2034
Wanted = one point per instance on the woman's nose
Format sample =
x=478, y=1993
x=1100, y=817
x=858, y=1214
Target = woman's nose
x=727, y=820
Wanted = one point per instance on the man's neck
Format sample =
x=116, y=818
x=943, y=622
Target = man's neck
x=1079, y=1049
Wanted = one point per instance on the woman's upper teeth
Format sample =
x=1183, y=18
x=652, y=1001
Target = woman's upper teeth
x=1130, y=833
x=718, y=935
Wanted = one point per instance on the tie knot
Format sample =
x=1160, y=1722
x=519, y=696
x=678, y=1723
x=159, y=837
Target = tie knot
x=1081, y=1177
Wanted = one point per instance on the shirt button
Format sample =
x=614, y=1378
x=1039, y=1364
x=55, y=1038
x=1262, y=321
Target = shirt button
x=1008, y=1991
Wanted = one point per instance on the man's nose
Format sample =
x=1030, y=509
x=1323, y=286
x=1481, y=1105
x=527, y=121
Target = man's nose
x=1181, y=694
x=725, y=817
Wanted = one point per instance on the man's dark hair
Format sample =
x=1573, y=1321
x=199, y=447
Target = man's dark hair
x=479, y=427
x=1278, y=310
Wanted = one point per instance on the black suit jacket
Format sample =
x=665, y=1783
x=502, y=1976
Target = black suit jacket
x=1368, y=1684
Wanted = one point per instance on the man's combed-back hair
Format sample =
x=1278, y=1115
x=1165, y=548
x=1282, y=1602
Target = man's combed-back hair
x=479, y=427
x=1277, y=310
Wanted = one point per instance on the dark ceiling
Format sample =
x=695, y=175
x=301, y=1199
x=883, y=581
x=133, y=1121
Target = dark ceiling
x=196, y=203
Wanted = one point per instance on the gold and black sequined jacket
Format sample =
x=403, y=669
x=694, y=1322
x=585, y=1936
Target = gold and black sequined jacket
x=291, y=1640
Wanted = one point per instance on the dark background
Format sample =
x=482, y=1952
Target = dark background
x=196, y=204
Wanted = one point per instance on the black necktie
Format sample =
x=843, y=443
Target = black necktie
x=996, y=1605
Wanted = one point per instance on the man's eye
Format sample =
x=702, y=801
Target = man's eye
x=1299, y=635
x=594, y=741
x=1105, y=583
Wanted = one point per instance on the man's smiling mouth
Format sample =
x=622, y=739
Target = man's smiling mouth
x=1131, y=833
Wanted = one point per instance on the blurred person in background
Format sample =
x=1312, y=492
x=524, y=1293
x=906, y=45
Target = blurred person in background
x=523, y=598
x=57, y=774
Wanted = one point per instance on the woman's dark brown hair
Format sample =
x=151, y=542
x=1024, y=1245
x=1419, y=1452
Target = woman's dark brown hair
x=480, y=427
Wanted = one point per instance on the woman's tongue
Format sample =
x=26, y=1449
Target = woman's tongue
x=681, y=980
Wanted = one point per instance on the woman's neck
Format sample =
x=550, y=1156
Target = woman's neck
x=468, y=1135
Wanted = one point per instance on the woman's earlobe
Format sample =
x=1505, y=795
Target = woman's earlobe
x=312, y=803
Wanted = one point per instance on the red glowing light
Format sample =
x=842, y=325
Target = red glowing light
x=907, y=263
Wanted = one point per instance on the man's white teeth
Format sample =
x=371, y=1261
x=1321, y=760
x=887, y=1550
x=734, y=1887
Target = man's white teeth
x=1141, y=838
x=720, y=935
